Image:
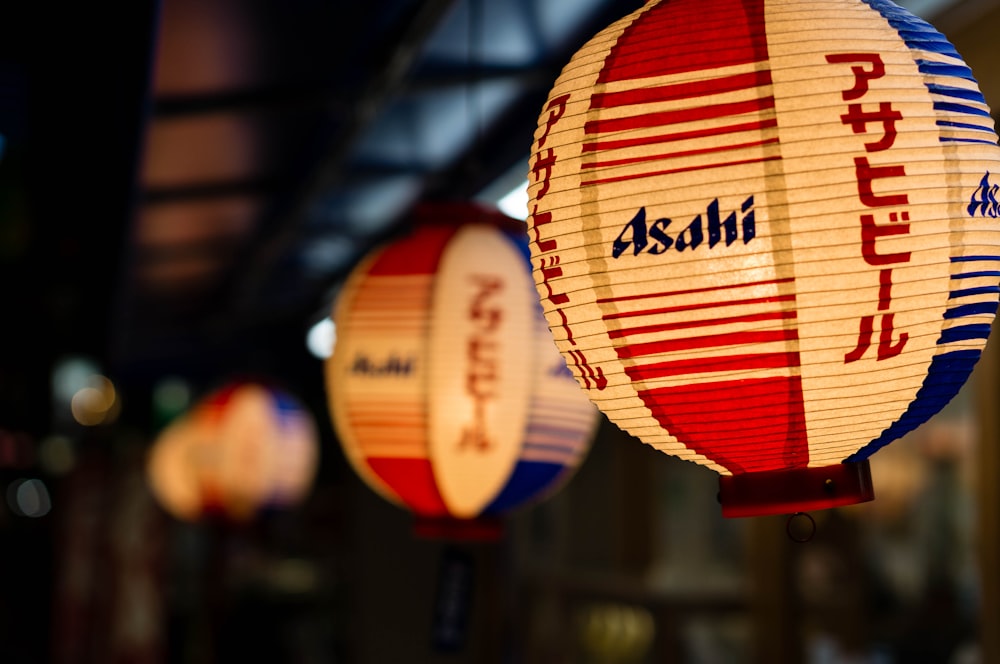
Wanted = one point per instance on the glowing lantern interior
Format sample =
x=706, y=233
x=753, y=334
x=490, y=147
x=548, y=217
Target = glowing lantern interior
x=765, y=235
x=445, y=388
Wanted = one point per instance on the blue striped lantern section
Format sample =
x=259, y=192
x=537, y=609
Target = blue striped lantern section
x=446, y=390
x=558, y=429
x=764, y=233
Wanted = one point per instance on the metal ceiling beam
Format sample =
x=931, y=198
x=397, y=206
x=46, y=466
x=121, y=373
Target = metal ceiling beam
x=465, y=76
x=494, y=152
x=322, y=98
x=277, y=234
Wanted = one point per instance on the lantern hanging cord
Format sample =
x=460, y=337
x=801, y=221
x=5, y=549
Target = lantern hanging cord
x=794, y=533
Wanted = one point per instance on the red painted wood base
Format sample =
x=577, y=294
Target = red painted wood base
x=795, y=490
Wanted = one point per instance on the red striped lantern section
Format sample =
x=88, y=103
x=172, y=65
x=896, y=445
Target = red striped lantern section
x=765, y=235
x=445, y=388
x=244, y=448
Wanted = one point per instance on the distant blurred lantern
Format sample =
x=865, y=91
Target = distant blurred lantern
x=447, y=392
x=765, y=235
x=243, y=448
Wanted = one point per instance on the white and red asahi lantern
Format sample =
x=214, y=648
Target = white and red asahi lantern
x=244, y=448
x=446, y=390
x=765, y=235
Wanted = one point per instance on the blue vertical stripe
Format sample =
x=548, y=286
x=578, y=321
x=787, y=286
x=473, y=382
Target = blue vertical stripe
x=956, y=93
x=919, y=35
x=969, y=259
x=951, y=107
x=932, y=68
x=982, y=141
x=966, y=292
x=949, y=370
x=965, y=333
x=529, y=481
x=973, y=309
x=963, y=125
x=914, y=31
x=946, y=376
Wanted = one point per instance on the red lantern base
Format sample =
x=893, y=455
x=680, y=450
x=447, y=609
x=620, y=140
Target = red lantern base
x=795, y=490
x=480, y=529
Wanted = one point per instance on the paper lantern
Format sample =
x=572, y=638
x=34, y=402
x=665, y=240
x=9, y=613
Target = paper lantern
x=244, y=448
x=446, y=390
x=765, y=235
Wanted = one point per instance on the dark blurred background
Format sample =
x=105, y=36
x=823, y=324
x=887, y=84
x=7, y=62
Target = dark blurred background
x=184, y=185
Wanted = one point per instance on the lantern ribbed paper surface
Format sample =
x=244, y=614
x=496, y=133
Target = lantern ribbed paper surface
x=243, y=448
x=446, y=390
x=765, y=235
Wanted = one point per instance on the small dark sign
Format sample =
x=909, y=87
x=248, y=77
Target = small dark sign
x=453, y=600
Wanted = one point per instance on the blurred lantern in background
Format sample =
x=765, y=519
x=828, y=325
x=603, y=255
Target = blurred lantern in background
x=445, y=388
x=244, y=448
x=81, y=393
x=765, y=235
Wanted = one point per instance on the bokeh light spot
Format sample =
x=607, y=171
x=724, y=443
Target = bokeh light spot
x=97, y=403
x=29, y=497
x=56, y=455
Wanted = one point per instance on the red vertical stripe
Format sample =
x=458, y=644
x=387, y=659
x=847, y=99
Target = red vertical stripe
x=419, y=253
x=678, y=116
x=618, y=144
x=708, y=322
x=687, y=90
x=413, y=481
x=742, y=362
x=705, y=341
x=688, y=35
x=669, y=171
x=744, y=425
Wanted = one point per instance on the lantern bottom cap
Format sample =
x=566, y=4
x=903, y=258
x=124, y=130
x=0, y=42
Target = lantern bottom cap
x=478, y=529
x=794, y=490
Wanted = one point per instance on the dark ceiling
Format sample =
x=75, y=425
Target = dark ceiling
x=185, y=183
